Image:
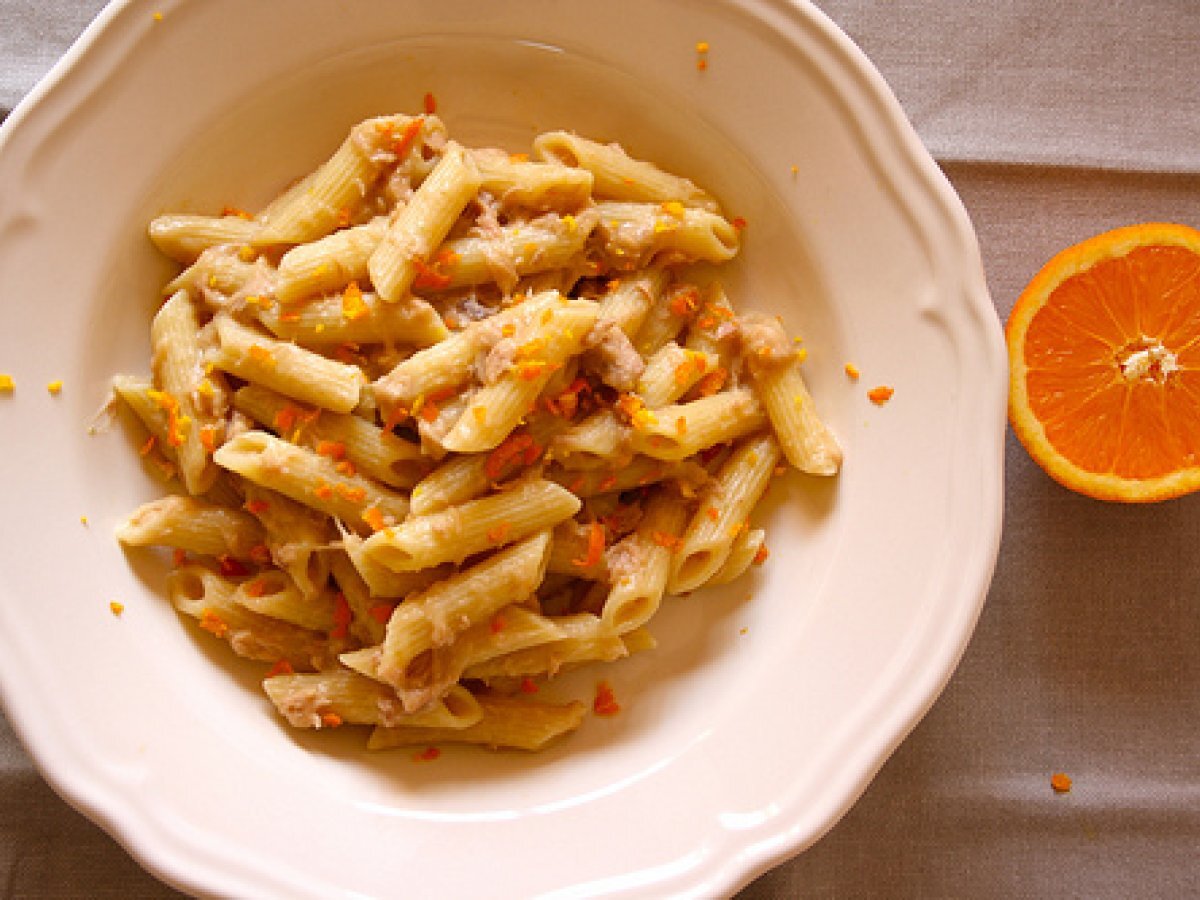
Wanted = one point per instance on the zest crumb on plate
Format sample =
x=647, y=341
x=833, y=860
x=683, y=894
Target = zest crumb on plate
x=1061, y=782
x=880, y=395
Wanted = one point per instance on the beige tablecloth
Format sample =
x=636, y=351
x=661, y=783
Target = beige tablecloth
x=1054, y=120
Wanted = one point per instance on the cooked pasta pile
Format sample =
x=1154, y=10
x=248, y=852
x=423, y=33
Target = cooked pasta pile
x=449, y=421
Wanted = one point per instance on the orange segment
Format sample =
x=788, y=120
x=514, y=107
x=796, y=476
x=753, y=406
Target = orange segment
x=1104, y=356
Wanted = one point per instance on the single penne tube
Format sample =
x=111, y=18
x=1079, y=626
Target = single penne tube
x=629, y=298
x=723, y=513
x=639, y=472
x=618, y=175
x=329, y=263
x=184, y=237
x=207, y=597
x=539, y=350
x=641, y=563
x=748, y=548
x=177, y=369
x=272, y=593
x=434, y=617
x=578, y=551
x=532, y=185
x=514, y=251
x=642, y=231
x=775, y=373
x=587, y=639
x=457, y=480
x=284, y=367
x=137, y=394
x=453, y=534
x=713, y=328
x=383, y=582
x=355, y=317
x=339, y=186
x=450, y=363
x=309, y=478
x=683, y=430
x=296, y=536
x=506, y=722
x=598, y=441
x=191, y=524
x=667, y=318
x=330, y=699
x=423, y=223
x=671, y=372
x=370, y=449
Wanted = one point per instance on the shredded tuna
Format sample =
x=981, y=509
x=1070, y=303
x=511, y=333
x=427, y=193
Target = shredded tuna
x=613, y=357
x=764, y=341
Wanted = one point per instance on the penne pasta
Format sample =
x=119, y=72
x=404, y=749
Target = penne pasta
x=286, y=368
x=453, y=534
x=451, y=422
x=724, y=512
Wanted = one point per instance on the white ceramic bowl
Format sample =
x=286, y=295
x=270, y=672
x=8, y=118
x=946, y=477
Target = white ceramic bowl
x=768, y=706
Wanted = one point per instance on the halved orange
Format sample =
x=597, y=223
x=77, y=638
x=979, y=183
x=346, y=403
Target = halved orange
x=1104, y=360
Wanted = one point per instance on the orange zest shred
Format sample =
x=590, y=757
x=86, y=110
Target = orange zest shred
x=739, y=223
x=605, y=703
x=761, y=556
x=684, y=303
x=342, y=616
x=256, y=588
x=528, y=685
x=497, y=624
x=213, y=624
x=880, y=395
x=323, y=491
x=353, y=305
x=515, y=449
x=257, y=506
x=713, y=513
x=178, y=557
x=351, y=493
x=1061, y=782
x=429, y=276
x=712, y=382
x=116, y=608
x=331, y=720
x=208, y=438
x=664, y=539
x=227, y=211
x=374, y=518
x=262, y=356
x=147, y=445
x=429, y=754
x=498, y=533
x=261, y=554
x=335, y=450
x=430, y=104
x=852, y=371
x=408, y=137
x=280, y=667
x=345, y=467
x=595, y=547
